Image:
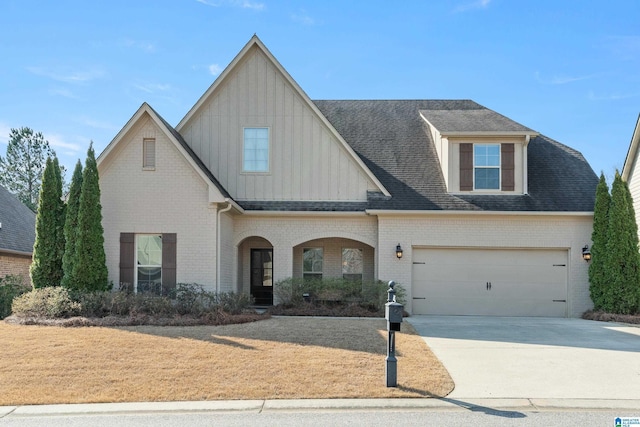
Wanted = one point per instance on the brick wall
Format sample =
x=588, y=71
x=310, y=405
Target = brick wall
x=173, y=198
x=15, y=265
x=570, y=232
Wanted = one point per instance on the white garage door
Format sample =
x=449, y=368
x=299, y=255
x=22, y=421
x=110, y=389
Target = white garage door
x=510, y=282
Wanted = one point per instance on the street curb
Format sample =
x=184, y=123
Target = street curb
x=259, y=406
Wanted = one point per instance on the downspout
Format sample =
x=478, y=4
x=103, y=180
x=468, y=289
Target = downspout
x=219, y=243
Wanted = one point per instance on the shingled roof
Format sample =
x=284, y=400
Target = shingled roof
x=18, y=231
x=395, y=143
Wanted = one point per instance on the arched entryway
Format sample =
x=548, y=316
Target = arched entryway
x=255, y=269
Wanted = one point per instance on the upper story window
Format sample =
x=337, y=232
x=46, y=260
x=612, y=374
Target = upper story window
x=256, y=150
x=486, y=166
x=149, y=153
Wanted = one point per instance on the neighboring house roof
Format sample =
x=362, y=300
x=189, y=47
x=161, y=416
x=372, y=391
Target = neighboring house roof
x=632, y=153
x=18, y=230
x=394, y=142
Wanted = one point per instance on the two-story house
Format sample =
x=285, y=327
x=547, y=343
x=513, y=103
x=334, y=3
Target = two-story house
x=472, y=212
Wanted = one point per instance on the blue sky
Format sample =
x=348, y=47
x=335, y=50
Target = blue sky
x=78, y=70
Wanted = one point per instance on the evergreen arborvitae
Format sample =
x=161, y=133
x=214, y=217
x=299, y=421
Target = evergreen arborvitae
x=46, y=268
x=597, y=274
x=90, y=269
x=60, y=219
x=71, y=227
x=623, y=259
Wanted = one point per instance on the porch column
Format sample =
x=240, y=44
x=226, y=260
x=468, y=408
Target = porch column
x=282, y=265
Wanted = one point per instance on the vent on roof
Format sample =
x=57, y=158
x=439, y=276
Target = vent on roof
x=149, y=153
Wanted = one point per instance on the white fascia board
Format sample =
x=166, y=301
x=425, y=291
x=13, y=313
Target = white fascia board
x=304, y=213
x=629, y=161
x=379, y=212
x=489, y=134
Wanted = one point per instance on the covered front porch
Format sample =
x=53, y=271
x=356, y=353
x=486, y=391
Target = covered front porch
x=327, y=257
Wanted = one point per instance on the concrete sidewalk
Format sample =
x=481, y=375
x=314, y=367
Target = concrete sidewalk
x=263, y=406
x=541, y=359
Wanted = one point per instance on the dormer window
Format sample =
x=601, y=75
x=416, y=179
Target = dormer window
x=486, y=166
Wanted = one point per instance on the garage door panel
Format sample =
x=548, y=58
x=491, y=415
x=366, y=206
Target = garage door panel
x=513, y=282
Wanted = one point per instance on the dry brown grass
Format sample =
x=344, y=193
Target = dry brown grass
x=278, y=358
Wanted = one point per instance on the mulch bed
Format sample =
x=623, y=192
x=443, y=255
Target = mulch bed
x=610, y=317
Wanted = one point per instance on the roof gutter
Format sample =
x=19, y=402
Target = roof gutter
x=386, y=212
x=12, y=252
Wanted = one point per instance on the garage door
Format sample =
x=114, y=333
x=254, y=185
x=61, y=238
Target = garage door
x=510, y=282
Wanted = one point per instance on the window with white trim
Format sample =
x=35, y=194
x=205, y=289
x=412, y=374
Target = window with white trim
x=486, y=166
x=352, y=264
x=312, y=263
x=148, y=153
x=255, y=154
x=149, y=263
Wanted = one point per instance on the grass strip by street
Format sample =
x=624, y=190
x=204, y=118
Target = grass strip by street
x=277, y=358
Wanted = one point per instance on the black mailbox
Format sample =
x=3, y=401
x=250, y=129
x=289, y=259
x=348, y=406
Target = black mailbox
x=393, y=314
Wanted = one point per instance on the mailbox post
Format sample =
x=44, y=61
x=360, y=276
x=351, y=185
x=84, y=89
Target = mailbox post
x=393, y=313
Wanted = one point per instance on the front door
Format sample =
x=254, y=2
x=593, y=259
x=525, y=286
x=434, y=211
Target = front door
x=262, y=276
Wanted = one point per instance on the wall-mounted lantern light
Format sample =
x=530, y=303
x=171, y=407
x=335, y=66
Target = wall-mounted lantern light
x=399, y=251
x=586, y=253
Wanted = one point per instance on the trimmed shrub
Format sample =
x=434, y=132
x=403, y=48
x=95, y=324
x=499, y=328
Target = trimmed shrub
x=233, y=303
x=49, y=302
x=10, y=288
x=372, y=295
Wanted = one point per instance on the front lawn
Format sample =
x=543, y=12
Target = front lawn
x=277, y=358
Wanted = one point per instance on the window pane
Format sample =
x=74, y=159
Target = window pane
x=312, y=260
x=487, y=178
x=256, y=150
x=351, y=261
x=486, y=154
x=149, y=280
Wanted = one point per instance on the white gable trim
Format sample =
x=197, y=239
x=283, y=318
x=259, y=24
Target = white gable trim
x=630, y=160
x=255, y=41
x=215, y=196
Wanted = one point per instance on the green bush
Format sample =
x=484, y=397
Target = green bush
x=233, y=303
x=186, y=300
x=50, y=302
x=10, y=287
x=294, y=292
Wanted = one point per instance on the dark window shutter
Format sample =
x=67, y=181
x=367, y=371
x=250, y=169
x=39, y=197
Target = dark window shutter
x=508, y=167
x=168, y=262
x=466, y=167
x=127, y=257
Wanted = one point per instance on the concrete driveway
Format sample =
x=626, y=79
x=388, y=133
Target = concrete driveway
x=509, y=357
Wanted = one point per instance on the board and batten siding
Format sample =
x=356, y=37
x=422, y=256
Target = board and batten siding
x=306, y=161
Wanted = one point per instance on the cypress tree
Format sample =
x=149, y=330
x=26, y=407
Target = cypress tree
x=90, y=269
x=623, y=259
x=597, y=273
x=71, y=227
x=60, y=218
x=46, y=268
